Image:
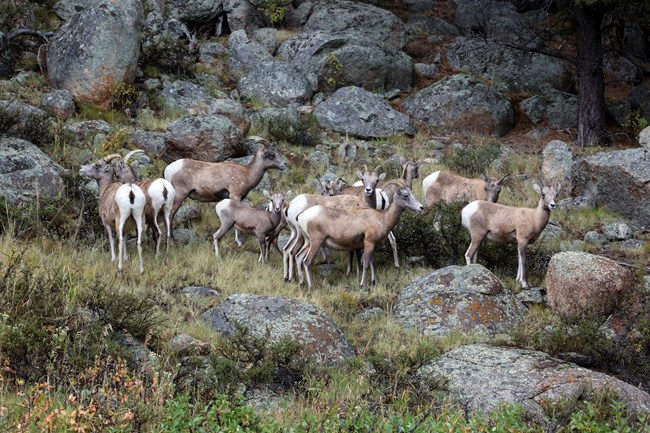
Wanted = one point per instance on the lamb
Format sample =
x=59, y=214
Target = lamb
x=304, y=201
x=449, y=187
x=120, y=205
x=215, y=181
x=249, y=220
x=506, y=224
x=160, y=198
x=350, y=229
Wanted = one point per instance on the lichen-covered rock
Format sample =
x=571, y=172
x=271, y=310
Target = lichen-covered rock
x=358, y=112
x=59, y=103
x=499, y=21
x=152, y=142
x=558, y=109
x=244, y=52
x=579, y=283
x=86, y=131
x=283, y=318
x=206, y=138
x=618, y=180
x=557, y=165
x=462, y=103
x=193, y=99
x=644, y=137
x=65, y=9
x=82, y=56
x=340, y=60
x=482, y=377
x=276, y=83
x=361, y=20
x=194, y=11
x=458, y=298
x=27, y=172
x=617, y=231
x=185, y=345
x=509, y=69
x=26, y=121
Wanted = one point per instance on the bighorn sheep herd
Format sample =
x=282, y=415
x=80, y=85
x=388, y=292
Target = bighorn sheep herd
x=354, y=218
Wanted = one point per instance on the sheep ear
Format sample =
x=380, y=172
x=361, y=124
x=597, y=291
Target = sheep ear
x=287, y=196
x=485, y=178
x=382, y=176
x=359, y=175
x=266, y=194
x=558, y=188
x=538, y=190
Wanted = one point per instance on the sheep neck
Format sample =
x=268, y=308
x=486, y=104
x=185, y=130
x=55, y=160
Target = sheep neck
x=542, y=215
x=390, y=216
x=256, y=169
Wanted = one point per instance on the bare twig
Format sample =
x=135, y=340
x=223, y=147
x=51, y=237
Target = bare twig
x=20, y=32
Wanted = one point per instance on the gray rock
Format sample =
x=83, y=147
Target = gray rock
x=151, y=84
x=619, y=111
x=268, y=38
x=458, y=298
x=187, y=212
x=185, y=345
x=617, y=231
x=82, y=58
x=355, y=111
x=369, y=313
x=277, y=83
x=87, y=130
x=425, y=70
x=139, y=356
x=27, y=172
x=482, y=378
x=619, y=68
x=532, y=296
x=152, y=142
x=579, y=283
x=277, y=318
x=65, y=9
x=242, y=14
x=559, y=109
x=7, y=62
x=424, y=25
x=462, y=103
x=185, y=236
x=363, y=21
x=640, y=98
x=298, y=16
x=59, y=103
x=199, y=292
x=618, y=180
x=644, y=137
x=341, y=60
x=246, y=53
x=211, y=52
x=507, y=68
x=594, y=238
x=633, y=244
x=206, y=138
x=557, y=165
x=26, y=121
x=194, y=11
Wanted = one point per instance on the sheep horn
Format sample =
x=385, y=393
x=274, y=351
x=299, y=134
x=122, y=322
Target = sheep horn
x=130, y=154
x=111, y=157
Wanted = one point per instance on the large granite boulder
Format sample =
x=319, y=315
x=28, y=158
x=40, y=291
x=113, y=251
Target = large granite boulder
x=277, y=83
x=483, y=377
x=644, y=137
x=458, y=298
x=340, y=60
x=59, y=103
x=557, y=165
x=278, y=318
x=581, y=283
x=509, y=69
x=27, y=172
x=82, y=56
x=618, y=180
x=363, y=21
x=462, y=103
x=194, y=11
x=25, y=121
x=558, y=109
x=355, y=111
x=209, y=138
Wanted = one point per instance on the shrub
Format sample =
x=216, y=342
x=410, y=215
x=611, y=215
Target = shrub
x=471, y=160
x=304, y=132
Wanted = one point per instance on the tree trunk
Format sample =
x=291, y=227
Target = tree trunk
x=592, y=129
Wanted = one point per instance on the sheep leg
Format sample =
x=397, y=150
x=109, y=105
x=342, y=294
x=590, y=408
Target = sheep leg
x=156, y=232
x=471, y=255
x=521, y=271
x=109, y=231
x=238, y=238
x=286, y=252
x=299, y=258
x=393, y=244
x=261, y=241
x=225, y=226
x=298, y=244
x=314, y=247
x=120, y=242
x=168, y=226
x=140, y=224
x=367, y=260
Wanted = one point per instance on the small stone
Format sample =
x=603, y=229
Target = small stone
x=199, y=292
x=594, y=238
x=617, y=231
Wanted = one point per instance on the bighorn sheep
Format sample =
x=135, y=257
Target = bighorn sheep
x=350, y=229
x=160, y=198
x=215, y=181
x=248, y=219
x=120, y=206
x=506, y=224
x=305, y=201
x=449, y=187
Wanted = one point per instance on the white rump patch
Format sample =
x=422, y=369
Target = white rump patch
x=429, y=180
x=172, y=169
x=297, y=205
x=468, y=212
